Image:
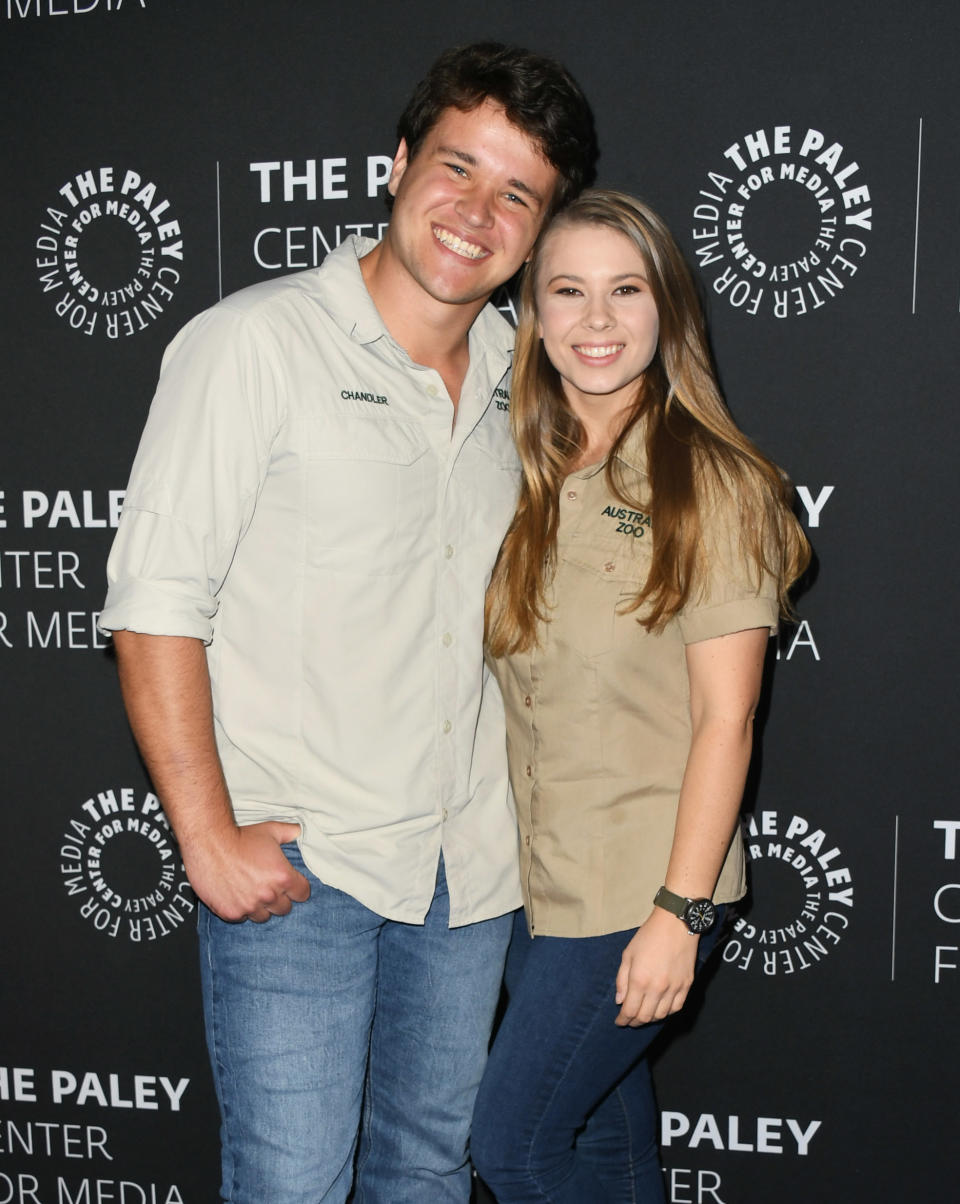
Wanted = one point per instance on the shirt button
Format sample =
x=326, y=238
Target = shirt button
x=572, y=494
x=609, y=567
x=446, y=639
x=526, y=840
x=448, y=551
x=529, y=771
x=447, y=725
x=443, y=815
x=431, y=390
x=528, y=701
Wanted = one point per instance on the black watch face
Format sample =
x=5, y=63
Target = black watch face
x=701, y=915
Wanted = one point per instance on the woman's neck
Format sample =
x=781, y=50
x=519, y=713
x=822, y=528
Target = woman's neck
x=592, y=454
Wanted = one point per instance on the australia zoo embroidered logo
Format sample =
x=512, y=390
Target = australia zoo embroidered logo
x=121, y=867
x=109, y=252
x=781, y=226
x=626, y=521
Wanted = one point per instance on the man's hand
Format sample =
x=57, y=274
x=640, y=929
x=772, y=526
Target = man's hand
x=242, y=873
x=656, y=971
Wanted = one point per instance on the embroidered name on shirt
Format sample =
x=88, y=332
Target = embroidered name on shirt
x=501, y=399
x=355, y=395
x=629, y=522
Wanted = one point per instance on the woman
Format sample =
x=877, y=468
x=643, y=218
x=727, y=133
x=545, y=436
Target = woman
x=627, y=622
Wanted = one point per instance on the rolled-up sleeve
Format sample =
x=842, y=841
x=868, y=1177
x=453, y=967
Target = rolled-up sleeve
x=735, y=594
x=197, y=474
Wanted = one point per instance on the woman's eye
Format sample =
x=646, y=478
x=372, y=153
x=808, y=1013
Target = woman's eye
x=626, y=289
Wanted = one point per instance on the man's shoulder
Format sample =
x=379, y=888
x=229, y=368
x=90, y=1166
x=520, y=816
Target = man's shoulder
x=264, y=314
x=267, y=296
x=338, y=272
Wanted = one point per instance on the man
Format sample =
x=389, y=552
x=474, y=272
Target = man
x=296, y=591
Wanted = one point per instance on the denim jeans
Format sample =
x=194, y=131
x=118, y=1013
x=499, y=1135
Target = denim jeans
x=566, y=1112
x=332, y=1015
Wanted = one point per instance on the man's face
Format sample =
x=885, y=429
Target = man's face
x=469, y=205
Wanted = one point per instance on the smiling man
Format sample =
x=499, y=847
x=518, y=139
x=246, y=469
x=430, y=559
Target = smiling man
x=296, y=595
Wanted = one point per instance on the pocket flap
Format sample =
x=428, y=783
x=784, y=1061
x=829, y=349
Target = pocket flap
x=349, y=437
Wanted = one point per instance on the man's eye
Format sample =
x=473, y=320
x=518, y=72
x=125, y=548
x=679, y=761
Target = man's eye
x=517, y=200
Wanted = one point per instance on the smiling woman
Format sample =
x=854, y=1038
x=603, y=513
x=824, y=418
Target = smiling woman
x=599, y=324
x=627, y=618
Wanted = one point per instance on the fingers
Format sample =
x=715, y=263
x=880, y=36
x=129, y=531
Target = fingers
x=644, y=1002
x=299, y=892
x=251, y=878
x=623, y=981
x=280, y=904
x=292, y=888
x=281, y=831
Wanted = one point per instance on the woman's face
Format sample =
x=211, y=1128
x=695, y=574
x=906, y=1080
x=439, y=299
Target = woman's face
x=596, y=316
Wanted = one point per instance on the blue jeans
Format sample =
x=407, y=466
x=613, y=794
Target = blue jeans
x=566, y=1112
x=332, y=1015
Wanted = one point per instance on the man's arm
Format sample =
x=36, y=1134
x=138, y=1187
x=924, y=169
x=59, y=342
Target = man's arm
x=239, y=872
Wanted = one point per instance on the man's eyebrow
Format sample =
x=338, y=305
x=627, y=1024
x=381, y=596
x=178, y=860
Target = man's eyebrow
x=463, y=156
x=470, y=161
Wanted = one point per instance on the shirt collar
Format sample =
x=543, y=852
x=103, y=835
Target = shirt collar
x=344, y=295
x=633, y=453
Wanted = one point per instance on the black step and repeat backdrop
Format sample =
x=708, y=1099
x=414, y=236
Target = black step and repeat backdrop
x=158, y=154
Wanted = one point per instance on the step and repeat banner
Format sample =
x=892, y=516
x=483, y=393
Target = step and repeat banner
x=159, y=154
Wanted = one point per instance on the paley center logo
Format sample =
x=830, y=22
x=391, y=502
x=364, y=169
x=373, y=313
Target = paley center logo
x=121, y=866
x=109, y=252
x=781, y=227
x=802, y=897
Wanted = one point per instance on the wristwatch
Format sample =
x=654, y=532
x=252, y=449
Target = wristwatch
x=699, y=915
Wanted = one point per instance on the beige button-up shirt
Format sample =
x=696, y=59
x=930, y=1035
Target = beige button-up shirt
x=299, y=504
x=598, y=715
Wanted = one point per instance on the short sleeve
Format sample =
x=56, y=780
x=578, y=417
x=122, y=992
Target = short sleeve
x=195, y=480
x=735, y=594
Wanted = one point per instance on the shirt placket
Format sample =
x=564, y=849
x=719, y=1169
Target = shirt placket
x=571, y=511
x=447, y=633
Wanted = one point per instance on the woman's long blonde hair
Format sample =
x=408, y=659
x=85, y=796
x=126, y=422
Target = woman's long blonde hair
x=692, y=446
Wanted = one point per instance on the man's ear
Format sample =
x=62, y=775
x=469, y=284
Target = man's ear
x=400, y=161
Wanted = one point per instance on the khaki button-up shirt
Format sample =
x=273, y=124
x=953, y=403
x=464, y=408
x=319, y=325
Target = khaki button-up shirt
x=300, y=503
x=598, y=715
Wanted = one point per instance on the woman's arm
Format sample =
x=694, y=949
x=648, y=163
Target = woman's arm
x=725, y=675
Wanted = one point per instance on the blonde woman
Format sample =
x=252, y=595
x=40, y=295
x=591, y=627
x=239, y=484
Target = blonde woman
x=627, y=622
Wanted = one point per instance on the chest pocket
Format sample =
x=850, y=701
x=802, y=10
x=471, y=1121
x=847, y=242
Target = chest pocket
x=368, y=486
x=489, y=469
x=593, y=584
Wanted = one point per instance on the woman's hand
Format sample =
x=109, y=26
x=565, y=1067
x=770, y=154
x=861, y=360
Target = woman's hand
x=656, y=970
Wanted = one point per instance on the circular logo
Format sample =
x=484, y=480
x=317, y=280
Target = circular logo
x=121, y=866
x=109, y=252
x=802, y=896
x=782, y=229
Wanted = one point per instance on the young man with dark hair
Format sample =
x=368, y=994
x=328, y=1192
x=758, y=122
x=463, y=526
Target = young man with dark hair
x=296, y=592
